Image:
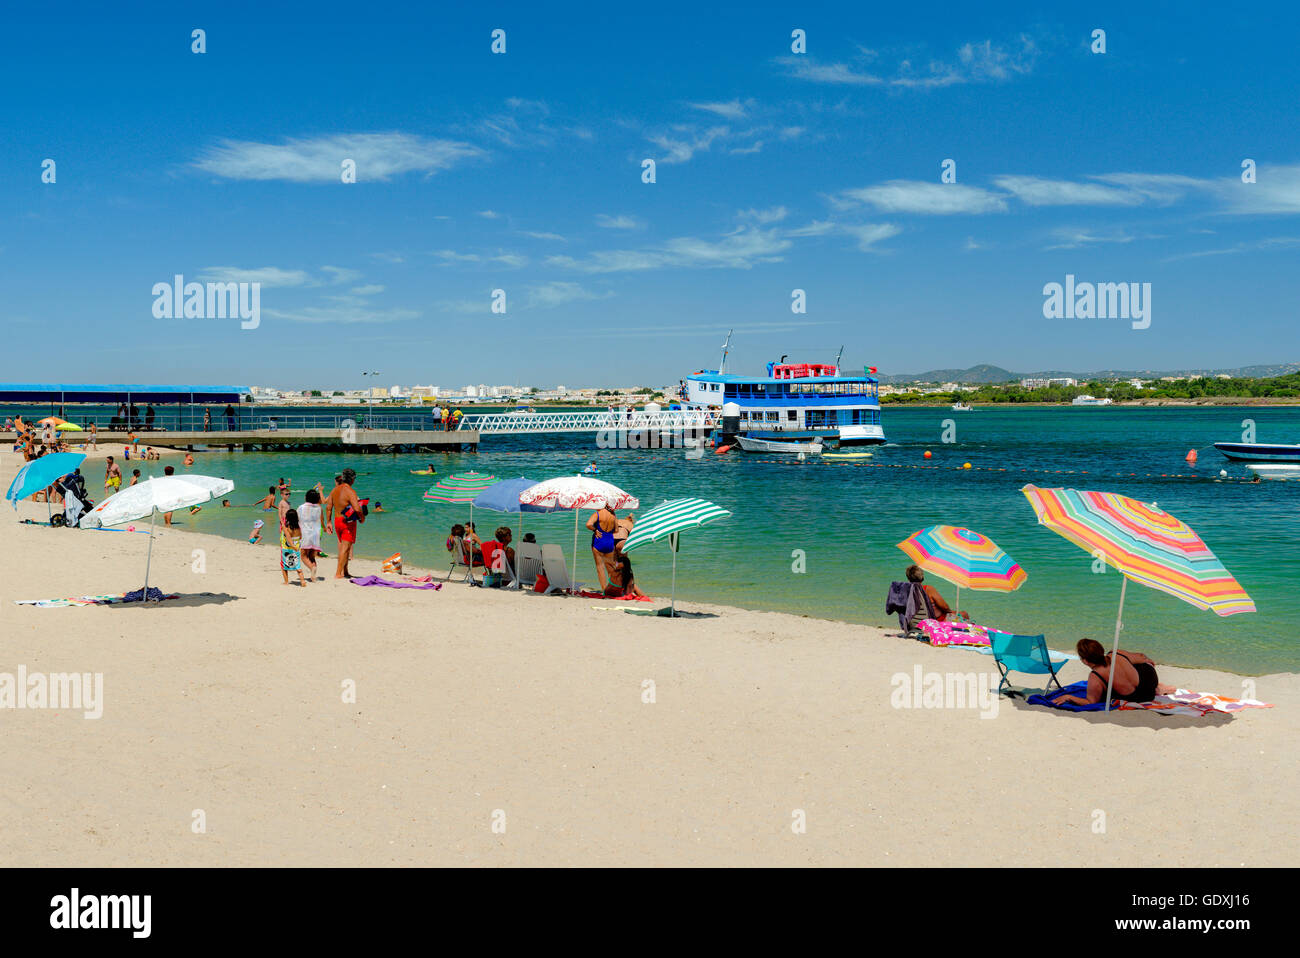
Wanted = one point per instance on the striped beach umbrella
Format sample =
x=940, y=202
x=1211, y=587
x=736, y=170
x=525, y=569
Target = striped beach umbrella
x=1145, y=544
x=668, y=521
x=965, y=558
x=459, y=490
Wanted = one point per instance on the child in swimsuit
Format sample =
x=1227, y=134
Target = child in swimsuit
x=291, y=547
x=256, y=534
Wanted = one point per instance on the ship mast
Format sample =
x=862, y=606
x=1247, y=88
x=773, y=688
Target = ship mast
x=726, y=347
x=838, y=357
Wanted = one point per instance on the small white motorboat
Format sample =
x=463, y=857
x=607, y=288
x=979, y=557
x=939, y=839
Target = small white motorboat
x=787, y=447
x=962, y=407
x=1275, y=470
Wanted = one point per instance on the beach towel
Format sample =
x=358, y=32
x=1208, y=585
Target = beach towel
x=155, y=595
x=1180, y=702
x=375, y=580
x=586, y=594
x=953, y=633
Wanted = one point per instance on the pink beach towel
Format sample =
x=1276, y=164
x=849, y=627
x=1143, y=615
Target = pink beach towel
x=953, y=633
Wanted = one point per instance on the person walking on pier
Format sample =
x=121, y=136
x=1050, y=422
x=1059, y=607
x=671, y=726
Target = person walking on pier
x=207, y=420
x=230, y=418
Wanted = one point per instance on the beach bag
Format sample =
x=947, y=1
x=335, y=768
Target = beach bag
x=542, y=584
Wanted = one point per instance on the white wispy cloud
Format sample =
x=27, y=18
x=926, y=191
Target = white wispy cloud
x=869, y=234
x=1039, y=191
x=370, y=289
x=741, y=249
x=268, y=276
x=341, y=313
x=389, y=257
x=916, y=196
x=552, y=237
x=681, y=147
x=620, y=222
x=489, y=214
x=982, y=62
x=1074, y=238
x=341, y=274
x=731, y=110
x=772, y=214
x=558, y=293
x=378, y=156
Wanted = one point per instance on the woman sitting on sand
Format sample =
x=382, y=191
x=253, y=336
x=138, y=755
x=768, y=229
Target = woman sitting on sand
x=941, y=610
x=1135, y=676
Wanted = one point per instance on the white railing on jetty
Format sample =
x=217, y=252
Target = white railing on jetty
x=518, y=423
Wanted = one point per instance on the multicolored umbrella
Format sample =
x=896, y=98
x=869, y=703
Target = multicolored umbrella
x=669, y=520
x=578, y=492
x=1145, y=544
x=460, y=489
x=965, y=558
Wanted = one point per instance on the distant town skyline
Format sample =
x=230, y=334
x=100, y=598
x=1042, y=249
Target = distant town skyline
x=923, y=188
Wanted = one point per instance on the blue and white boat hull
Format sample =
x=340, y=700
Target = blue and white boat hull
x=1258, y=452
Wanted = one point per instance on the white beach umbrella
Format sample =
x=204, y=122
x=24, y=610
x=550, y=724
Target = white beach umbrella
x=160, y=494
x=578, y=492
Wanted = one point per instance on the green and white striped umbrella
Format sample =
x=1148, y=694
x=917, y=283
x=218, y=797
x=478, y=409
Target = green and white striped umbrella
x=668, y=521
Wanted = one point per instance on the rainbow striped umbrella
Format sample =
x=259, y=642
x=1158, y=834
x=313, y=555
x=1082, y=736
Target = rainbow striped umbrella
x=967, y=559
x=460, y=489
x=1145, y=544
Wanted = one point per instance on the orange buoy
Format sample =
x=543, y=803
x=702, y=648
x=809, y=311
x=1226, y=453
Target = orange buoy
x=1191, y=458
x=927, y=454
x=966, y=465
x=721, y=450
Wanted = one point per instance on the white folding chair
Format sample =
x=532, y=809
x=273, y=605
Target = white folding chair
x=557, y=571
x=528, y=558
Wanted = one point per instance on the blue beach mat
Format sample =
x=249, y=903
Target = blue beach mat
x=1077, y=688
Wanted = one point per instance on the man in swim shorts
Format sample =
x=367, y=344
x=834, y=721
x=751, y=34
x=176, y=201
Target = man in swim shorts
x=112, y=477
x=345, y=511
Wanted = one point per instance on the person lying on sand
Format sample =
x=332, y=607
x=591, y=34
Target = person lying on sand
x=941, y=609
x=1135, y=676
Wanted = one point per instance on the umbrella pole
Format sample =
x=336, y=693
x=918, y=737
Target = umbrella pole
x=1110, y=677
x=957, y=610
x=575, y=545
x=149, y=560
x=672, y=596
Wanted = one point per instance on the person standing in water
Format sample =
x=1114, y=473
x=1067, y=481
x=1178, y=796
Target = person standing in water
x=345, y=511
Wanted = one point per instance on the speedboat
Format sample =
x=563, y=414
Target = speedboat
x=962, y=407
x=1275, y=470
x=1258, y=452
x=748, y=444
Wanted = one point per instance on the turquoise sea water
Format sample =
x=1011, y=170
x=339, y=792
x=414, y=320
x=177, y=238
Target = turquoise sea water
x=847, y=517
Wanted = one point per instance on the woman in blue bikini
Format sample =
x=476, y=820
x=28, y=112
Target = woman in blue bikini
x=602, y=525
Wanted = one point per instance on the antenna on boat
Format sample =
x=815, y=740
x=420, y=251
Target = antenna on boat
x=726, y=347
x=838, y=357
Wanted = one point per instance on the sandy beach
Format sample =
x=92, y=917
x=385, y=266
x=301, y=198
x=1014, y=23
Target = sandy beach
x=474, y=707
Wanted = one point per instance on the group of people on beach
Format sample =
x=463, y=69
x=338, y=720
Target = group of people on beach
x=302, y=527
x=1135, y=678
x=608, y=534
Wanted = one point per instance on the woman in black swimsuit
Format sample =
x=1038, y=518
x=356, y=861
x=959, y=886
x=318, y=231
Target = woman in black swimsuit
x=1135, y=676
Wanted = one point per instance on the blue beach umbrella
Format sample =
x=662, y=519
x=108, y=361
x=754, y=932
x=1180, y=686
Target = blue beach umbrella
x=503, y=496
x=40, y=474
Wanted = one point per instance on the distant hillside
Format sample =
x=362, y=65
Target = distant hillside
x=985, y=373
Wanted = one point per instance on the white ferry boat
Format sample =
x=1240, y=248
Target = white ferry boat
x=794, y=401
x=1086, y=400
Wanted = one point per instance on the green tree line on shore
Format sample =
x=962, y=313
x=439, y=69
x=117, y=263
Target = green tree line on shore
x=1273, y=387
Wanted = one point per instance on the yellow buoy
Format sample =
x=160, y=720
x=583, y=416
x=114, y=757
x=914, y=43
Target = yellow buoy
x=966, y=465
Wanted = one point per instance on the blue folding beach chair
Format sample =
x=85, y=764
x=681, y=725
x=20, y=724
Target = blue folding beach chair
x=1022, y=653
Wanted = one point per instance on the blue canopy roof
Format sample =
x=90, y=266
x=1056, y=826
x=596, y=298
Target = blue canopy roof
x=118, y=392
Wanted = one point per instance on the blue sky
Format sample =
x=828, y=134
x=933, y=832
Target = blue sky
x=775, y=171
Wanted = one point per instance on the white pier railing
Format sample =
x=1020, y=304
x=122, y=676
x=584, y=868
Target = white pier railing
x=519, y=423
